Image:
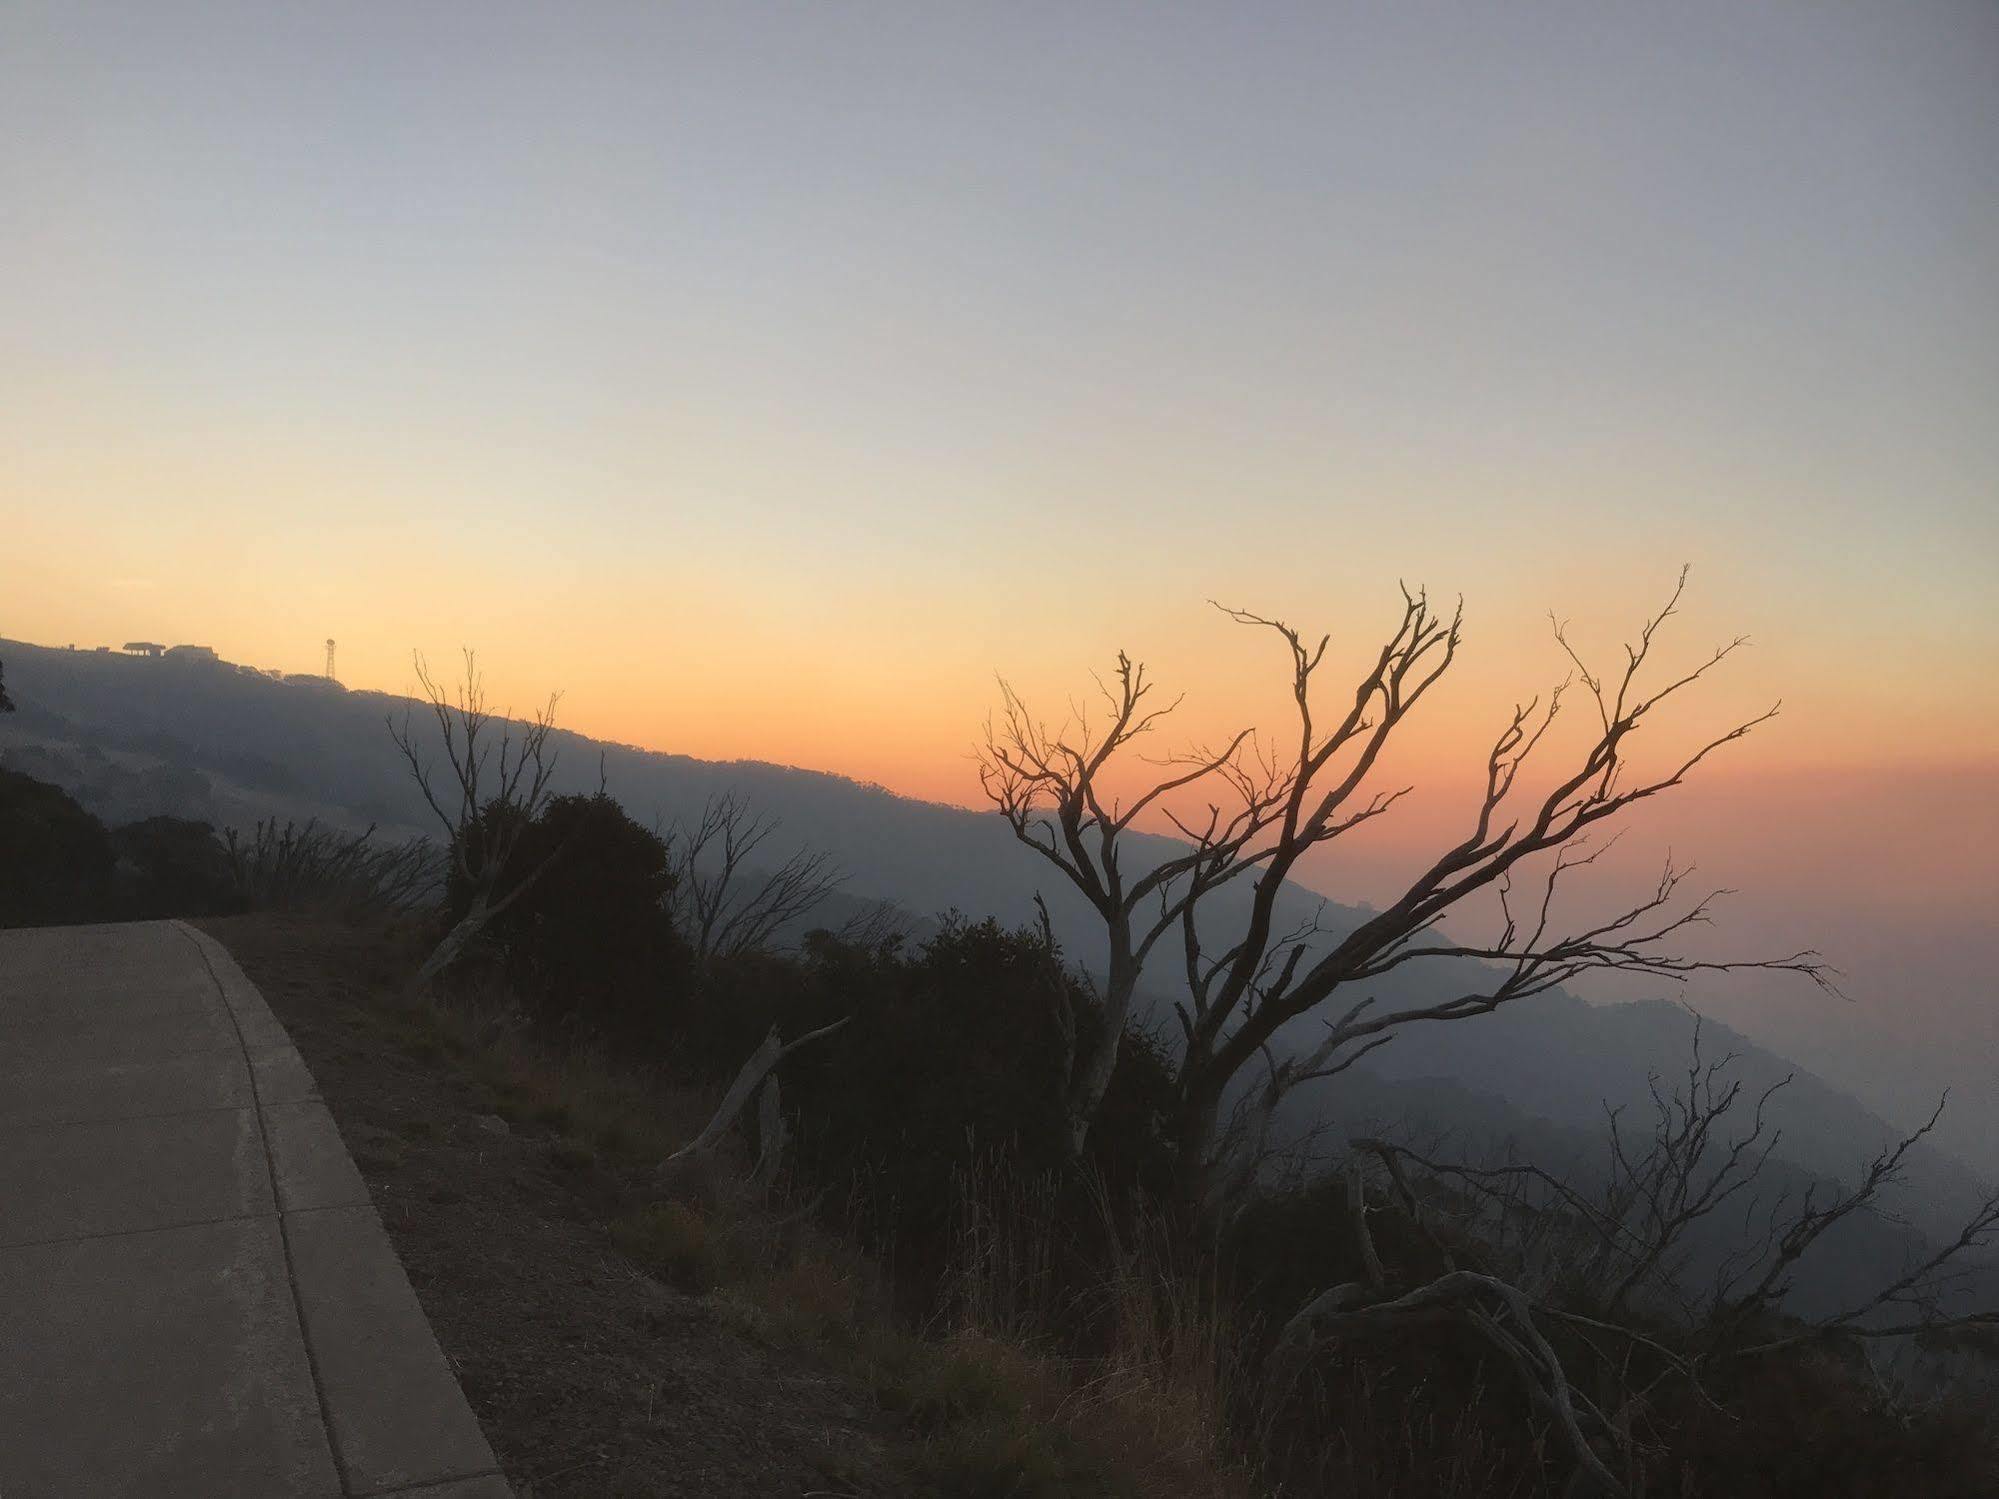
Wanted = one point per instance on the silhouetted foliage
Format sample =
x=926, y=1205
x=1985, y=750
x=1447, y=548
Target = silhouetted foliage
x=6, y=702
x=954, y=1054
x=63, y=866
x=170, y=866
x=58, y=860
x=495, y=783
x=591, y=944
x=725, y=904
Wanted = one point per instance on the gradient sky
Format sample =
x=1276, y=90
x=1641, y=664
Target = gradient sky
x=767, y=377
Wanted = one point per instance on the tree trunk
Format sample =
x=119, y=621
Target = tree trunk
x=1193, y=1130
x=772, y=1135
x=748, y=1076
x=1233, y=1161
x=1089, y=1082
x=455, y=942
x=761, y=1063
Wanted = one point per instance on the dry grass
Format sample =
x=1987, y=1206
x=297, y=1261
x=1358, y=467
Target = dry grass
x=1151, y=1411
x=989, y=1403
x=1380, y=1444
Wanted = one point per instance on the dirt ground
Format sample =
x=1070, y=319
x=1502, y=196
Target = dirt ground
x=590, y=1378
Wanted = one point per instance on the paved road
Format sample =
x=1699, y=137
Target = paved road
x=197, y=1300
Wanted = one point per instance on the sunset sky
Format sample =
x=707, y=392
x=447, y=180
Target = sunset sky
x=769, y=378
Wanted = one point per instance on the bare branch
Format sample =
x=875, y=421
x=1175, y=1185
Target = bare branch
x=725, y=903
x=489, y=795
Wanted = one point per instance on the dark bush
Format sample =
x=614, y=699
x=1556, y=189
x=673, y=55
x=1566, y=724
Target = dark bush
x=169, y=866
x=590, y=945
x=950, y=1054
x=953, y=1056
x=56, y=860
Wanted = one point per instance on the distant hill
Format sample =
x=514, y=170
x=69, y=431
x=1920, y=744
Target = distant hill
x=131, y=737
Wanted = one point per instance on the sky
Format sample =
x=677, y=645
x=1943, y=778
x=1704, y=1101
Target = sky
x=768, y=378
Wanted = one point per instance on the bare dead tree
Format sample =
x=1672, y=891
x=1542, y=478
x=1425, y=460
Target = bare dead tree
x=749, y=1080
x=1533, y=1261
x=1248, y=985
x=1622, y=1236
x=1499, y=1313
x=1048, y=784
x=1659, y=1189
x=725, y=904
x=495, y=782
x=1628, y=1233
x=1752, y=1286
x=877, y=923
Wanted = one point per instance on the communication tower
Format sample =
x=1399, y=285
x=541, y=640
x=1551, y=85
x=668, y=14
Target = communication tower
x=329, y=663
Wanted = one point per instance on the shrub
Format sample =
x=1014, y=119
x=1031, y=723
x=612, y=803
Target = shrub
x=590, y=945
x=674, y=1242
x=170, y=866
x=56, y=860
x=313, y=868
x=952, y=1055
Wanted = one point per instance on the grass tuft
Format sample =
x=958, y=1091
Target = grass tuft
x=672, y=1241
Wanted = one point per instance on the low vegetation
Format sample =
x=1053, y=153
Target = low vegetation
x=307, y=867
x=63, y=865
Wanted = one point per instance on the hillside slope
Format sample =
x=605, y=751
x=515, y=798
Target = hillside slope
x=132, y=737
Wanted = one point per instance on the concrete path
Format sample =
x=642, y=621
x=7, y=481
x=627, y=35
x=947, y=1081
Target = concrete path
x=196, y=1297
